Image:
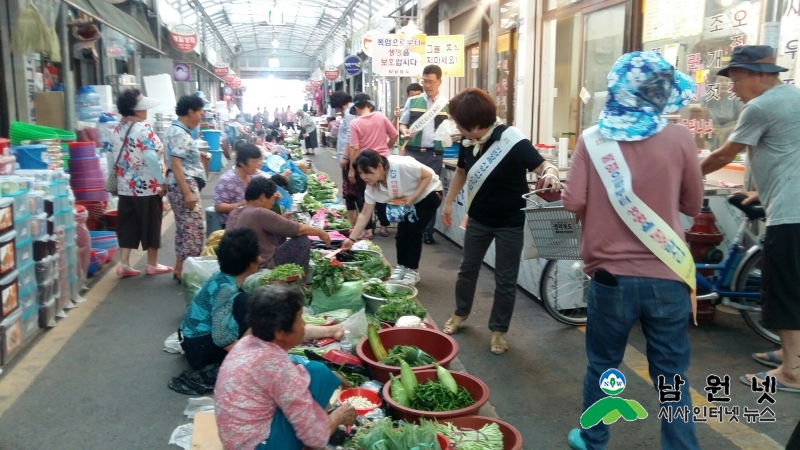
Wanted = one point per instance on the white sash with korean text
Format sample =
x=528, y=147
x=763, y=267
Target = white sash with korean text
x=490, y=160
x=430, y=114
x=645, y=224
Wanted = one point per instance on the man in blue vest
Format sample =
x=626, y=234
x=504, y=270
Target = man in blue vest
x=421, y=144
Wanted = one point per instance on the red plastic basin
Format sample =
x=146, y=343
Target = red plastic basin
x=512, y=439
x=372, y=396
x=476, y=388
x=440, y=346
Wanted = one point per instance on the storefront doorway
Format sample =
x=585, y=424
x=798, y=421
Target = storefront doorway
x=580, y=47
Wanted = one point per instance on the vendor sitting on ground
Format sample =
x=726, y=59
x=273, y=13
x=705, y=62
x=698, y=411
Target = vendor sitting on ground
x=229, y=190
x=215, y=318
x=263, y=401
x=260, y=195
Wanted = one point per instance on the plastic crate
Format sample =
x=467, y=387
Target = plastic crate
x=8, y=252
x=21, y=204
x=23, y=227
x=30, y=323
x=11, y=335
x=24, y=252
x=38, y=225
x=36, y=202
x=9, y=292
x=27, y=276
x=72, y=254
x=47, y=314
x=28, y=297
x=6, y=214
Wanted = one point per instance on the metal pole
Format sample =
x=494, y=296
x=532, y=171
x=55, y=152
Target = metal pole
x=494, y=27
x=68, y=76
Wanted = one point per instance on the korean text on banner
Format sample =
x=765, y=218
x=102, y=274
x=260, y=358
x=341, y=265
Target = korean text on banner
x=446, y=52
x=398, y=55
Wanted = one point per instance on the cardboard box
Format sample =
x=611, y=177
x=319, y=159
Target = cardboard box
x=49, y=108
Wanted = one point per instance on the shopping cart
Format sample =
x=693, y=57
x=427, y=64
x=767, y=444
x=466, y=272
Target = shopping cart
x=555, y=232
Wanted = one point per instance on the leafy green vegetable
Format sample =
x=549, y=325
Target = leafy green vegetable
x=376, y=290
x=310, y=204
x=339, y=315
x=434, y=396
x=399, y=305
x=371, y=319
x=328, y=276
x=489, y=437
x=314, y=320
x=408, y=353
x=382, y=435
x=374, y=267
x=284, y=271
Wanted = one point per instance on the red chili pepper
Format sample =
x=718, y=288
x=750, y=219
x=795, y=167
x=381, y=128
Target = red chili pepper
x=336, y=263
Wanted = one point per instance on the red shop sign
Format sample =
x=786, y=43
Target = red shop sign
x=332, y=73
x=221, y=69
x=315, y=83
x=229, y=78
x=237, y=83
x=183, y=38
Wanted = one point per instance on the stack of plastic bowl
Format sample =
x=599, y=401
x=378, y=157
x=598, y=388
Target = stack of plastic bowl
x=105, y=240
x=86, y=176
x=96, y=260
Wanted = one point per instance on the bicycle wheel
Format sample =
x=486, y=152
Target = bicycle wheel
x=750, y=281
x=564, y=291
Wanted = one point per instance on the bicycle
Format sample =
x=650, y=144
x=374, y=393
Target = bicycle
x=567, y=302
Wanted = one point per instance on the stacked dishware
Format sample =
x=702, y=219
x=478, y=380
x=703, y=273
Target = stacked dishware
x=86, y=176
x=162, y=124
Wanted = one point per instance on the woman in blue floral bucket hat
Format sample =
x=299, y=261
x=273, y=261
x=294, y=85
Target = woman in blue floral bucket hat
x=631, y=176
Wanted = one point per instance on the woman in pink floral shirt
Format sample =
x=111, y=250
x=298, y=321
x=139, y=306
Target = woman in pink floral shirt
x=263, y=400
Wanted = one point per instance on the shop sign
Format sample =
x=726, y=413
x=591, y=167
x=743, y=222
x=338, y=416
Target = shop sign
x=227, y=90
x=504, y=43
x=352, y=65
x=183, y=38
x=236, y=83
x=332, y=73
x=229, y=78
x=315, y=82
x=672, y=19
x=446, y=52
x=221, y=69
x=398, y=55
x=181, y=71
x=366, y=41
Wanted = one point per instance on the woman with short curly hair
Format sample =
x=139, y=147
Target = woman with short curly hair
x=137, y=153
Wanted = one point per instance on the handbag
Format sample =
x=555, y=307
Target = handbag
x=111, y=181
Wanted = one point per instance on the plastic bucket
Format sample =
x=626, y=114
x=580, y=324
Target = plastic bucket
x=30, y=156
x=216, y=161
x=213, y=137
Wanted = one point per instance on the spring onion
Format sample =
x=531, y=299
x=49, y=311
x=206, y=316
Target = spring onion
x=489, y=437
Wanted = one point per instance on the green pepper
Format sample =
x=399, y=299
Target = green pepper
x=398, y=392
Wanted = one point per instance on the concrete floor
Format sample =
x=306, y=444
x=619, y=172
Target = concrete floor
x=99, y=379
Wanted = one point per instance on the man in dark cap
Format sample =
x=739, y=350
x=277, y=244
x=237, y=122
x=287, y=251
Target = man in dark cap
x=770, y=127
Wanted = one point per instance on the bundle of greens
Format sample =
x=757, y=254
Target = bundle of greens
x=376, y=290
x=314, y=320
x=489, y=437
x=284, y=272
x=327, y=275
x=336, y=221
x=382, y=435
x=339, y=315
x=321, y=188
x=309, y=204
x=409, y=354
x=399, y=305
x=435, y=396
x=374, y=267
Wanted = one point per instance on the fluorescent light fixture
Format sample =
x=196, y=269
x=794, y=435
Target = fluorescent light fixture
x=274, y=62
x=275, y=43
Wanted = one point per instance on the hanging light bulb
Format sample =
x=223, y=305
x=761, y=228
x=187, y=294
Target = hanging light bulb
x=275, y=43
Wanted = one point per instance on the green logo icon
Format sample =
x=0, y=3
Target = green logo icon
x=610, y=409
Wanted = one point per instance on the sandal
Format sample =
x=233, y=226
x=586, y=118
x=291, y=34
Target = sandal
x=384, y=232
x=771, y=361
x=453, y=324
x=499, y=343
x=747, y=379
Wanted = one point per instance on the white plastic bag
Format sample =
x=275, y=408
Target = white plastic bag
x=182, y=436
x=173, y=345
x=445, y=133
x=196, y=271
x=357, y=324
x=198, y=404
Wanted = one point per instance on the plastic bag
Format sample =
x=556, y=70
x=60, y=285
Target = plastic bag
x=212, y=241
x=357, y=325
x=445, y=133
x=274, y=164
x=198, y=404
x=84, y=241
x=348, y=297
x=182, y=436
x=173, y=345
x=196, y=271
x=253, y=282
x=286, y=199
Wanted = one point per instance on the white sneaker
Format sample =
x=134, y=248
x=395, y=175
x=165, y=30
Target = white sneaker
x=411, y=278
x=398, y=273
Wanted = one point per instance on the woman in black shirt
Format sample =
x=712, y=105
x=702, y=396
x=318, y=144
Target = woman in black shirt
x=495, y=209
